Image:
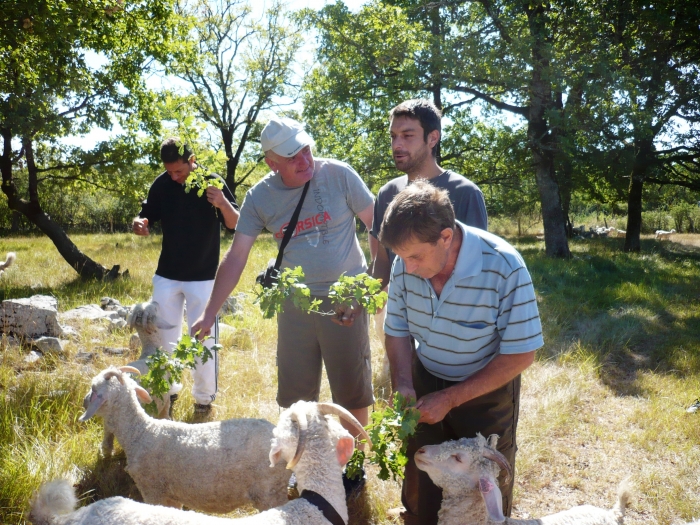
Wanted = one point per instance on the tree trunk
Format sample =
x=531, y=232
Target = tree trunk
x=86, y=267
x=634, y=200
x=542, y=144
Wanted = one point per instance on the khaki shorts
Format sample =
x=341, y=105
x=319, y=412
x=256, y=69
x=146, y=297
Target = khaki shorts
x=305, y=341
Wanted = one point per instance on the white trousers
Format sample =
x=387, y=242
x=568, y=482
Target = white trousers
x=171, y=297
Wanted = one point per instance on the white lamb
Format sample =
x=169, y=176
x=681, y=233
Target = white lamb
x=213, y=467
x=9, y=259
x=663, y=234
x=144, y=319
x=467, y=471
x=314, y=446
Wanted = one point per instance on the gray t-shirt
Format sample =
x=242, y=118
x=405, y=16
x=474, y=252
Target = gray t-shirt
x=324, y=243
x=466, y=197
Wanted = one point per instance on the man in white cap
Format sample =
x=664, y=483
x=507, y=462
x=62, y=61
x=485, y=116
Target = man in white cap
x=325, y=245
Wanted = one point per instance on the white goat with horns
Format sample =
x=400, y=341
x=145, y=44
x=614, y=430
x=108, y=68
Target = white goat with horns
x=467, y=471
x=315, y=447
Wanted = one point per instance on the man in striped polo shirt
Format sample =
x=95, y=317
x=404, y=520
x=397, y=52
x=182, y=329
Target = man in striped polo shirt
x=467, y=299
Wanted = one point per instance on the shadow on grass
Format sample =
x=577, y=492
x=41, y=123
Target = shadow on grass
x=106, y=478
x=628, y=311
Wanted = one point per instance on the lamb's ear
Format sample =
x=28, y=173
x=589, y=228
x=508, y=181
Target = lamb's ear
x=275, y=453
x=94, y=402
x=143, y=395
x=344, y=449
x=493, y=499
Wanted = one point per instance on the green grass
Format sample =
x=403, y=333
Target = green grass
x=605, y=399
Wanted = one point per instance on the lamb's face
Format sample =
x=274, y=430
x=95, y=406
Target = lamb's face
x=461, y=468
x=450, y=463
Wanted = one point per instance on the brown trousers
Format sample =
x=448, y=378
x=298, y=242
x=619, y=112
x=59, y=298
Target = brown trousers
x=493, y=413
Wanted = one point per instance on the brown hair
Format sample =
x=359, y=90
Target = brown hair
x=170, y=150
x=421, y=211
x=425, y=112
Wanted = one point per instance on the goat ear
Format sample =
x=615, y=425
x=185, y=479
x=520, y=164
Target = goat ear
x=344, y=449
x=143, y=395
x=93, y=404
x=275, y=454
x=492, y=498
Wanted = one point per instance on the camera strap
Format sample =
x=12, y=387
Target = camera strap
x=291, y=227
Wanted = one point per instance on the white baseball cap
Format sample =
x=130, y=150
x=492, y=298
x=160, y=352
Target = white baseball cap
x=284, y=136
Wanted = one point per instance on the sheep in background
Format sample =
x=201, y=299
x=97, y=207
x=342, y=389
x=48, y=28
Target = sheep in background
x=663, y=234
x=9, y=259
x=314, y=446
x=212, y=467
x=617, y=233
x=467, y=471
x=144, y=319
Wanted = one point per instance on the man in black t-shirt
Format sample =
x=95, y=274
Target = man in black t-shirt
x=189, y=255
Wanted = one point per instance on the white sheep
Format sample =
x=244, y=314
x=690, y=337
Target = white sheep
x=467, y=471
x=9, y=259
x=144, y=319
x=617, y=233
x=314, y=446
x=663, y=234
x=213, y=467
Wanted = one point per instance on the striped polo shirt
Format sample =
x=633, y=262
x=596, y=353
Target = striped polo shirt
x=486, y=307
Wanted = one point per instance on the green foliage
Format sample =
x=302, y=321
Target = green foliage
x=165, y=369
x=200, y=181
x=389, y=431
x=360, y=289
x=290, y=284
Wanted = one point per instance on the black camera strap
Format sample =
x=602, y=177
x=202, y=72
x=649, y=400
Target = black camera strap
x=291, y=227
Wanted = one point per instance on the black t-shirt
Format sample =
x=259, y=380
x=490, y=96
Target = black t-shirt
x=191, y=229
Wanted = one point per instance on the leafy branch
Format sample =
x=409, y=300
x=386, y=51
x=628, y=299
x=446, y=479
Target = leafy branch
x=389, y=430
x=290, y=283
x=201, y=180
x=361, y=289
x=165, y=369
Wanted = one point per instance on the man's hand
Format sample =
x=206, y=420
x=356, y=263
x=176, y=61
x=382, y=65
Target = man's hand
x=203, y=326
x=434, y=406
x=140, y=226
x=216, y=197
x=345, y=315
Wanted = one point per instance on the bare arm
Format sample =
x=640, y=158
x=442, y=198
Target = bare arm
x=400, y=353
x=227, y=277
x=367, y=216
x=217, y=198
x=502, y=369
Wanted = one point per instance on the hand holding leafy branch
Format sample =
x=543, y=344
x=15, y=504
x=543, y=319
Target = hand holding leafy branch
x=164, y=369
x=361, y=289
x=389, y=430
x=201, y=181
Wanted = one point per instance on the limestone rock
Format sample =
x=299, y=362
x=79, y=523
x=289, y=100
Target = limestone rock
x=48, y=345
x=31, y=317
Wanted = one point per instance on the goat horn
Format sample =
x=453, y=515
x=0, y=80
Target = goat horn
x=114, y=373
x=332, y=408
x=301, y=440
x=130, y=370
x=495, y=455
